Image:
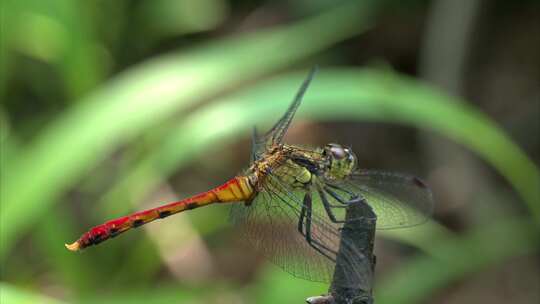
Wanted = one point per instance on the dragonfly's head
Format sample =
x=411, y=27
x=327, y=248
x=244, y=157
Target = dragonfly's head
x=341, y=160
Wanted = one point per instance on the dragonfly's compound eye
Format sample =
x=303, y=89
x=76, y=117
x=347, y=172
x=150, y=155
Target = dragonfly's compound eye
x=341, y=160
x=337, y=151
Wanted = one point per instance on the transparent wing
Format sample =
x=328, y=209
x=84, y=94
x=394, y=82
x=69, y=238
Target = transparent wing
x=275, y=224
x=398, y=200
x=270, y=225
x=258, y=145
x=275, y=135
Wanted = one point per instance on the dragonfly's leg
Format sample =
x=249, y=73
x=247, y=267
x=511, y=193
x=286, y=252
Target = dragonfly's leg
x=337, y=198
x=354, y=197
x=307, y=209
x=301, y=219
x=328, y=207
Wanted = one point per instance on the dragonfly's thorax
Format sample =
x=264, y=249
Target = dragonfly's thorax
x=260, y=168
x=293, y=174
x=297, y=166
x=292, y=165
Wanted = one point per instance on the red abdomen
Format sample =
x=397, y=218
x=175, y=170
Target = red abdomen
x=235, y=190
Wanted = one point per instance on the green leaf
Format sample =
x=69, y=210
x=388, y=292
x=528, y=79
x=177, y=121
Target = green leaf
x=57, y=32
x=16, y=295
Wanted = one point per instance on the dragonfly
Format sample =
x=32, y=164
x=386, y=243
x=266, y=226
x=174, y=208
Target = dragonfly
x=291, y=204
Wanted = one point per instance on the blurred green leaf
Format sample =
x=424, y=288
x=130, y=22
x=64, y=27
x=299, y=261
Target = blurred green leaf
x=159, y=295
x=15, y=295
x=66, y=267
x=145, y=95
x=275, y=287
x=57, y=32
x=173, y=17
x=214, y=292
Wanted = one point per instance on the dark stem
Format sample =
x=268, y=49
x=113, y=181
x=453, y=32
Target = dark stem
x=359, y=230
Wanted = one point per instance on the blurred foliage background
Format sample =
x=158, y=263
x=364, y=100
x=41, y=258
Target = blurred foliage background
x=113, y=106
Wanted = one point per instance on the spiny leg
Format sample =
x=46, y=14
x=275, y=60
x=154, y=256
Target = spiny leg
x=306, y=213
x=340, y=199
x=354, y=199
x=354, y=196
x=301, y=219
x=304, y=219
x=328, y=207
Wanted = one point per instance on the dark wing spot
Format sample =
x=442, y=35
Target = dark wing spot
x=419, y=182
x=164, y=214
x=137, y=223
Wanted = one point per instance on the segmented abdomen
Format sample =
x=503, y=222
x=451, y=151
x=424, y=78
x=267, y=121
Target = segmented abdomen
x=234, y=190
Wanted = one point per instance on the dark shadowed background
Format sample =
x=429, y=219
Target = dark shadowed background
x=109, y=107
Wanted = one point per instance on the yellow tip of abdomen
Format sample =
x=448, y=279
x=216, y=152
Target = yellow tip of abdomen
x=74, y=246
